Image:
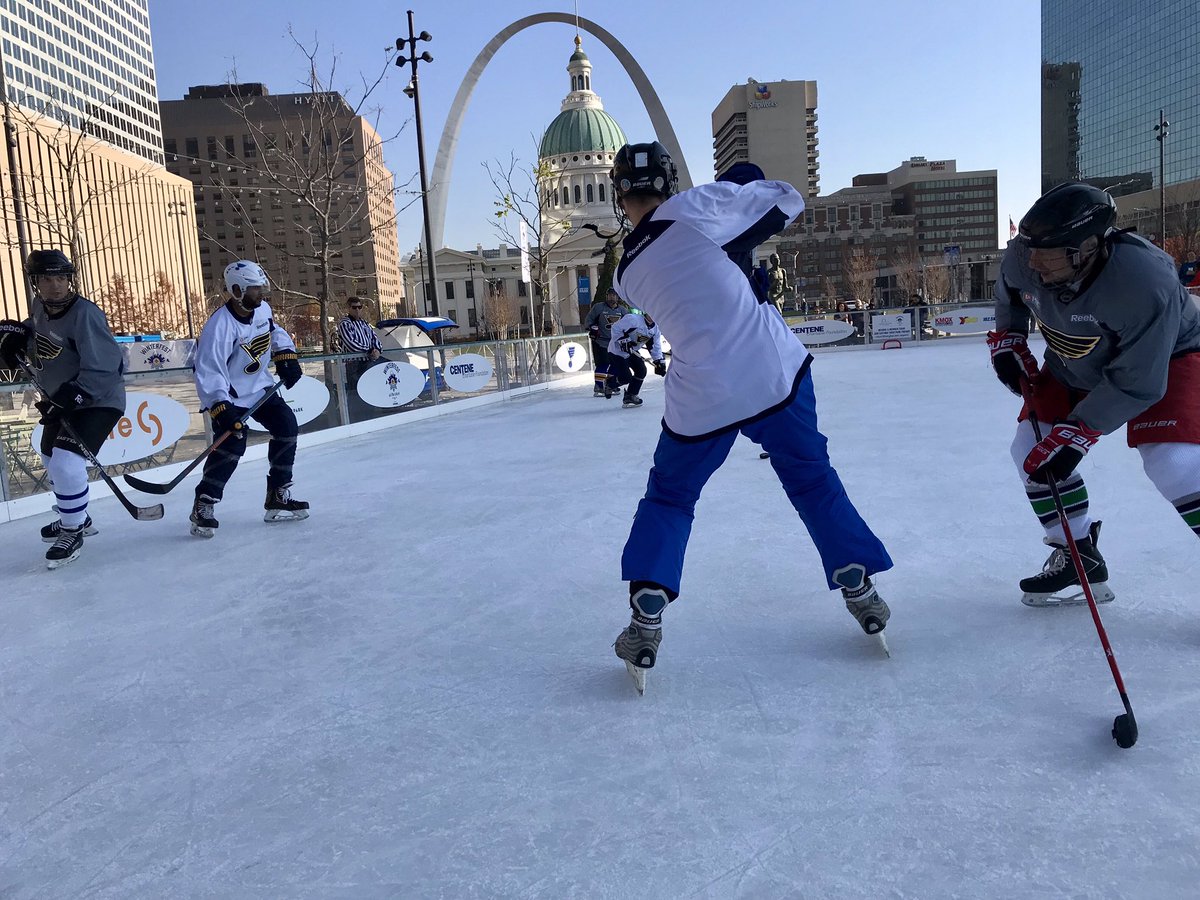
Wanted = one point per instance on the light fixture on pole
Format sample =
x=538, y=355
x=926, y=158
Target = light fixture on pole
x=177, y=209
x=1160, y=135
x=413, y=90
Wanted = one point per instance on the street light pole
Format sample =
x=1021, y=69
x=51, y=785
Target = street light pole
x=413, y=90
x=1161, y=136
x=176, y=208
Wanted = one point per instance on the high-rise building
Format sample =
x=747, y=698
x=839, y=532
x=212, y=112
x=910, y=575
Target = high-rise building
x=261, y=165
x=1106, y=74
x=774, y=126
x=84, y=170
x=90, y=58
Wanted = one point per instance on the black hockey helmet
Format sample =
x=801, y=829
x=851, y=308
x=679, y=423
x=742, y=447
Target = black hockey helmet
x=742, y=173
x=1066, y=216
x=644, y=169
x=48, y=262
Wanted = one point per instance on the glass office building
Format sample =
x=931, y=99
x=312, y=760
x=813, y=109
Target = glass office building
x=1107, y=70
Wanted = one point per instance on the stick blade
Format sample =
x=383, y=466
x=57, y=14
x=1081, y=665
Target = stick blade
x=146, y=487
x=150, y=513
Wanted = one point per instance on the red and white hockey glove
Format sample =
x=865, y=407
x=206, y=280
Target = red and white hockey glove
x=1058, y=453
x=1011, y=359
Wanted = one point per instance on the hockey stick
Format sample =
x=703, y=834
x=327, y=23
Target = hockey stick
x=141, y=513
x=149, y=487
x=1124, y=730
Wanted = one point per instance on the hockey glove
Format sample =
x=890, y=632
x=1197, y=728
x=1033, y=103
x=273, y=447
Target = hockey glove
x=660, y=367
x=68, y=398
x=1011, y=359
x=594, y=331
x=1058, y=453
x=226, y=417
x=287, y=367
x=627, y=347
x=14, y=338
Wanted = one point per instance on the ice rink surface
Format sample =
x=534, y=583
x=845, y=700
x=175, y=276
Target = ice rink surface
x=413, y=693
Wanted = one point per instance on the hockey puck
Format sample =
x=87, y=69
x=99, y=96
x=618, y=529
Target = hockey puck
x=1124, y=731
x=764, y=456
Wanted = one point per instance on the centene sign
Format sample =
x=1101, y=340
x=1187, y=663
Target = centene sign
x=468, y=372
x=151, y=424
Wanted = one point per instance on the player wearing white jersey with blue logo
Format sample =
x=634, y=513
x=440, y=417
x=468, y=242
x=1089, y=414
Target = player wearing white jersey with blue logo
x=238, y=343
x=630, y=334
x=736, y=368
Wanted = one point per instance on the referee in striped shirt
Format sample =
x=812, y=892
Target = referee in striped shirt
x=356, y=333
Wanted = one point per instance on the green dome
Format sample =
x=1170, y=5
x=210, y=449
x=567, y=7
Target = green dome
x=578, y=56
x=581, y=131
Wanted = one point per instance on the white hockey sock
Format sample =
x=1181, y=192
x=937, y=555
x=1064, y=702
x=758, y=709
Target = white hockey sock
x=68, y=477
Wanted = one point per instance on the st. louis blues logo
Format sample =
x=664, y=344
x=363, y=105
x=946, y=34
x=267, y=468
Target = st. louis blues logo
x=47, y=348
x=762, y=92
x=255, y=349
x=1068, y=346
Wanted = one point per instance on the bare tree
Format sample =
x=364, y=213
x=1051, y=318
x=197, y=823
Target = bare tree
x=310, y=153
x=500, y=314
x=1183, y=224
x=526, y=196
x=858, y=272
x=907, y=264
x=937, y=284
x=72, y=200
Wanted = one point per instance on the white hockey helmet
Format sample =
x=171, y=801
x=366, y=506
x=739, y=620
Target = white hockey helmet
x=245, y=274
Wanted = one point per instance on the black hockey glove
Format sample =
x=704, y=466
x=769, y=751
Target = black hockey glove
x=287, y=367
x=594, y=331
x=1011, y=359
x=226, y=417
x=14, y=338
x=660, y=367
x=627, y=346
x=67, y=398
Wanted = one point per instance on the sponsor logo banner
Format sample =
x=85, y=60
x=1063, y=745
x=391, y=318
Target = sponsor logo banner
x=151, y=424
x=307, y=398
x=153, y=356
x=468, y=372
x=391, y=385
x=892, y=327
x=822, y=331
x=964, y=321
x=570, y=357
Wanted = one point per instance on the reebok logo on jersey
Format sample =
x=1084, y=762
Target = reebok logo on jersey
x=1086, y=317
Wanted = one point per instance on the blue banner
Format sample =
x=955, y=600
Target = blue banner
x=585, y=291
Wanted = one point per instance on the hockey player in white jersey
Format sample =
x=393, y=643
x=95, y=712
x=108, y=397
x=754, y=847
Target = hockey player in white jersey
x=632, y=333
x=238, y=343
x=736, y=368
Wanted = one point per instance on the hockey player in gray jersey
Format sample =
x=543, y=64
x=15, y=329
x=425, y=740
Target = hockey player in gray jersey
x=1122, y=348
x=79, y=366
x=598, y=325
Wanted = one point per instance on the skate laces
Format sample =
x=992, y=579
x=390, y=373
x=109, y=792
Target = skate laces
x=66, y=538
x=1057, y=560
x=204, y=507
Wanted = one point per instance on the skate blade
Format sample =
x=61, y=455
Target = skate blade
x=883, y=644
x=59, y=563
x=201, y=532
x=273, y=518
x=639, y=677
x=1100, y=592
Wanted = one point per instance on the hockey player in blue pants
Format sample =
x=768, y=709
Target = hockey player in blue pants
x=736, y=369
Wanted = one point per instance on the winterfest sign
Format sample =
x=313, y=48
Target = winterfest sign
x=966, y=320
x=153, y=356
x=391, y=385
x=150, y=425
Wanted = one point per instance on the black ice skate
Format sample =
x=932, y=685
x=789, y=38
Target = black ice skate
x=637, y=647
x=281, y=507
x=608, y=390
x=597, y=390
x=630, y=401
x=51, y=532
x=66, y=547
x=1058, y=582
x=864, y=603
x=204, y=523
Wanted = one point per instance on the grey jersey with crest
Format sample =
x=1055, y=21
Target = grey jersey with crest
x=1116, y=337
x=78, y=346
x=605, y=316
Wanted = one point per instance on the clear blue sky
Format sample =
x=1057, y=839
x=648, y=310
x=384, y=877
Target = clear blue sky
x=946, y=81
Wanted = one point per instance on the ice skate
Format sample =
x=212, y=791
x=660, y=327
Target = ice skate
x=51, y=532
x=864, y=603
x=1058, y=582
x=608, y=391
x=630, y=401
x=597, y=389
x=280, y=507
x=204, y=523
x=637, y=647
x=66, y=547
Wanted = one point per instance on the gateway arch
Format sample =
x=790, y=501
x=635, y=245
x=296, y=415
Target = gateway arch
x=448, y=145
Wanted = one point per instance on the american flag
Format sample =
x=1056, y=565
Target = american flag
x=1012, y=229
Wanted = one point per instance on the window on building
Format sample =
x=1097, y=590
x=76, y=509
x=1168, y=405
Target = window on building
x=566, y=196
x=450, y=291
x=472, y=317
x=578, y=195
x=601, y=186
x=470, y=288
x=452, y=315
x=229, y=151
x=211, y=147
x=522, y=289
x=590, y=196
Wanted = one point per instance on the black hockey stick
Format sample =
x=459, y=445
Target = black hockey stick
x=149, y=487
x=1124, y=730
x=141, y=513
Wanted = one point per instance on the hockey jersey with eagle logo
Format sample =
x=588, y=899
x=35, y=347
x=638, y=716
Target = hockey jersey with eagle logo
x=1116, y=336
x=77, y=345
x=233, y=356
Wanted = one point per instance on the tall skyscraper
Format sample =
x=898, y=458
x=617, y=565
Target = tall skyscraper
x=1106, y=73
x=92, y=59
x=773, y=125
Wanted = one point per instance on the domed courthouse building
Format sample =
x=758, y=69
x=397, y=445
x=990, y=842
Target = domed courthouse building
x=575, y=155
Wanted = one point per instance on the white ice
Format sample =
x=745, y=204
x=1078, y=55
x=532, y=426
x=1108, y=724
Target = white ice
x=413, y=693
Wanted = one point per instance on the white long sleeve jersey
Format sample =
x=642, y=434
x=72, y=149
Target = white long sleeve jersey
x=233, y=356
x=732, y=357
x=632, y=327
